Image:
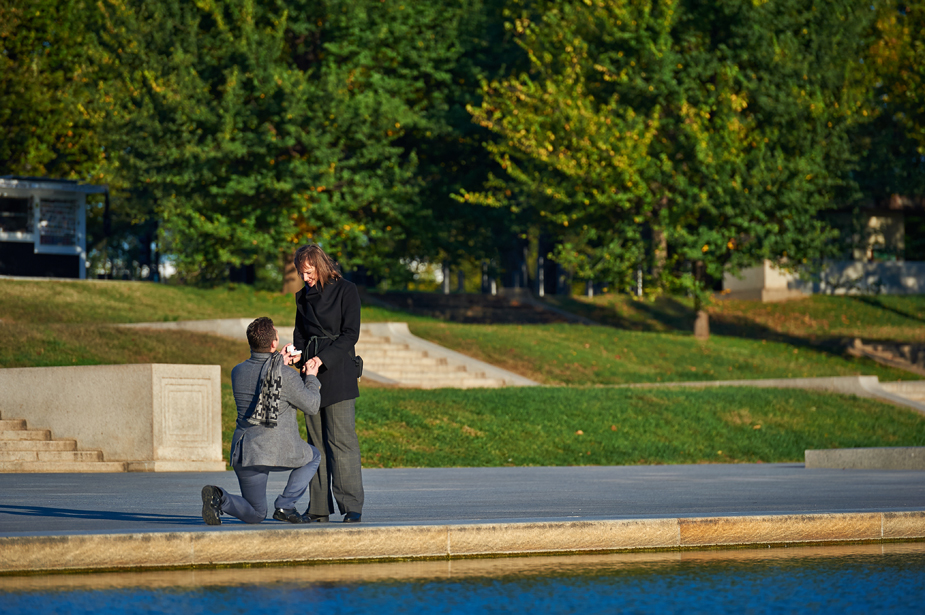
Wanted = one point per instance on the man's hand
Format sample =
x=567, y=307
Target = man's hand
x=290, y=354
x=311, y=367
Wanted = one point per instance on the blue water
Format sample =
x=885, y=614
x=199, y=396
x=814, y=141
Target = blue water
x=857, y=583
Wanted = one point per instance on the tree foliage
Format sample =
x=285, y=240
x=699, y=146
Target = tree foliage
x=893, y=144
x=687, y=139
x=255, y=125
x=698, y=137
x=49, y=120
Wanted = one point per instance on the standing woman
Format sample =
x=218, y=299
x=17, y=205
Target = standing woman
x=327, y=327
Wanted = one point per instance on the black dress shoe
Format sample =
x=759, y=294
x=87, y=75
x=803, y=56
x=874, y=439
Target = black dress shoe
x=292, y=516
x=212, y=505
x=309, y=518
x=352, y=517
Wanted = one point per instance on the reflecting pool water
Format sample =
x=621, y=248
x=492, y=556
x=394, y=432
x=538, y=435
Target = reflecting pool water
x=849, y=579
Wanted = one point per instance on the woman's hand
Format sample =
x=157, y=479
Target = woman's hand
x=311, y=367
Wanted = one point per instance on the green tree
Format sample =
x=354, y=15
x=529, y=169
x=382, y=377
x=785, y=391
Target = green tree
x=252, y=126
x=893, y=143
x=49, y=116
x=696, y=138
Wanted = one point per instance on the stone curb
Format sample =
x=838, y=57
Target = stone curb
x=315, y=544
x=874, y=458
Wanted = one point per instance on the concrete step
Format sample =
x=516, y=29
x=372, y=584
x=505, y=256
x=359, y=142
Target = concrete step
x=62, y=466
x=417, y=361
x=394, y=355
x=38, y=445
x=12, y=424
x=432, y=371
x=390, y=348
x=62, y=456
x=26, y=434
x=429, y=377
x=466, y=383
x=368, y=338
x=402, y=359
x=425, y=366
x=32, y=450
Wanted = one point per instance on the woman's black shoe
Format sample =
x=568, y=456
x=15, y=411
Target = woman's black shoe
x=308, y=518
x=352, y=517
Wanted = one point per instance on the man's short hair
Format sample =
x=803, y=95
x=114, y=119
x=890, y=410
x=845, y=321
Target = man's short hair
x=261, y=334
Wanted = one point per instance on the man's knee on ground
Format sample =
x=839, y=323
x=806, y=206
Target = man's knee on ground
x=259, y=514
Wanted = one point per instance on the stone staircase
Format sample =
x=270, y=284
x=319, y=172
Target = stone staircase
x=33, y=450
x=391, y=355
x=911, y=390
x=397, y=361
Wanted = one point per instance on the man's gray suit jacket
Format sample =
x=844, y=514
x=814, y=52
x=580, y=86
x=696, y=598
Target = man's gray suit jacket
x=279, y=446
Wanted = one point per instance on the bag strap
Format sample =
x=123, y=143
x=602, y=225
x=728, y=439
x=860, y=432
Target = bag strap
x=324, y=331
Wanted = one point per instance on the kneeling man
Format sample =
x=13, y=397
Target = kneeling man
x=266, y=438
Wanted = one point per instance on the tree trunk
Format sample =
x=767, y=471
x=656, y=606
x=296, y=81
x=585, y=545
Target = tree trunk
x=659, y=242
x=702, y=320
x=292, y=282
x=659, y=252
x=702, y=325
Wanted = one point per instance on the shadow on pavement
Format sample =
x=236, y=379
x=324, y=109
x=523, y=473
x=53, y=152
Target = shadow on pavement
x=99, y=515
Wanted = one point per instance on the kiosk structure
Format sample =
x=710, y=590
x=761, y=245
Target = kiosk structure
x=43, y=226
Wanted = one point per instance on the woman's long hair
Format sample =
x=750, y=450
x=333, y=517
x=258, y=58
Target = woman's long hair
x=313, y=255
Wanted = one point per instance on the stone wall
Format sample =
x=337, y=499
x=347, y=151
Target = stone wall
x=156, y=417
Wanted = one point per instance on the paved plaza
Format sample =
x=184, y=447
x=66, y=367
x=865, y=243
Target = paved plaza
x=54, y=504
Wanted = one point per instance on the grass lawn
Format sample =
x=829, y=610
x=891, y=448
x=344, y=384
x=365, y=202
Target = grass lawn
x=525, y=426
x=554, y=426
x=577, y=354
x=66, y=323
x=815, y=319
x=108, y=301
x=645, y=346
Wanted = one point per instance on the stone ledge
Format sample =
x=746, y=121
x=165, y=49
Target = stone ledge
x=175, y=466
x=883, y=458
x=225, y=546
x=168, y=415
x=447, y=569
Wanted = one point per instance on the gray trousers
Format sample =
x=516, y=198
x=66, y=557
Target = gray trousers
x=333, y=432
x=251, y=505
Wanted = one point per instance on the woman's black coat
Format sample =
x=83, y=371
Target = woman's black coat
x=337, y=309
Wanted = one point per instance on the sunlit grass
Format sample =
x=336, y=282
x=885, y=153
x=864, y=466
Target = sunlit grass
x=819, y=317
x=69, y=323
x=578, y=354
x=606, y=426
x=112, y=301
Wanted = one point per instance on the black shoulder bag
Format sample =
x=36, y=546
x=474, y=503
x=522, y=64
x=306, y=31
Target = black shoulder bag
x=357, y=360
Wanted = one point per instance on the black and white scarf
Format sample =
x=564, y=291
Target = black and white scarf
x=267, y=410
